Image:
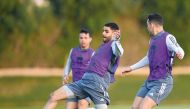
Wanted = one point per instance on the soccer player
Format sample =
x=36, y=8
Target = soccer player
x=96, y=79
x=162, y=47
x=78, y=61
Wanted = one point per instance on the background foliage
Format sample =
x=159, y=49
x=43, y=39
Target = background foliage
x=41, y=35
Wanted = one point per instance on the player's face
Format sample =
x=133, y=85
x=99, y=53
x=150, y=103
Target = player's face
x=84, y=40
x=107, y=34
x=150, y=28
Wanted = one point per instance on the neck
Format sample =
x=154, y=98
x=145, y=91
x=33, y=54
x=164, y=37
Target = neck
x=85, y=48
x=106, y=41
x=157, y=30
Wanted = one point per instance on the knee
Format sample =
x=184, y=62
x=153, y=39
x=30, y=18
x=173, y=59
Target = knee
x=52, y=97
x=135, y=107
x=142, y=107
x=83, y=104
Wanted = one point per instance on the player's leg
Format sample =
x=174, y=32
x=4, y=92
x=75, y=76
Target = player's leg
x=77, y=89
x=136, y=102
x=147, y=103
x=75, y=103
x=140, y=96
x=59, y=94
x=83, y=104
x=71, y=103
x=160, y=90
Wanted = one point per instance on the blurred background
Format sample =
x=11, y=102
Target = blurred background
x=37, y=35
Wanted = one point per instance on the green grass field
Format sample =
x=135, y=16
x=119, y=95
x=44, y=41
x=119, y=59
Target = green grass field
x=184, y=106
x=33, y=92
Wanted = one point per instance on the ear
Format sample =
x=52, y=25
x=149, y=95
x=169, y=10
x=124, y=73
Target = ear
x=90, y=39
x=151, y=24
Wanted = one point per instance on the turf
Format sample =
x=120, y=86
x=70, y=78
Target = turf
x=184, y=106
x=26, y=92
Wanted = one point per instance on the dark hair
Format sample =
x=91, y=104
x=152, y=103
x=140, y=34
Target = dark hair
x=155, y=17
x=112, y=25
x=86, y=31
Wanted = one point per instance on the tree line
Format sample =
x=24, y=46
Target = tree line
x=33, y=35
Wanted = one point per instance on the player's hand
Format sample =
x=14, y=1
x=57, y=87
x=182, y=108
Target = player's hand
x=179, y=55
x=65, y=80
x=117, y=35
x=126, y=70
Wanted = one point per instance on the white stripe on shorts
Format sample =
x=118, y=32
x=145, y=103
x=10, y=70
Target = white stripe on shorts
x=162, y=88
x=161, y=91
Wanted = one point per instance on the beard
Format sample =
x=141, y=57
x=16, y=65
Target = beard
x=106, y=39
x=150, y=34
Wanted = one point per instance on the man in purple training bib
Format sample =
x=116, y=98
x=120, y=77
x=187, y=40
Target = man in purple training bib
x=162, y=49
x=78, y=60
x=98, y=75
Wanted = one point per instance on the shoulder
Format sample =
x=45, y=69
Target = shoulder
x=170, y=35
x=171, y=38
x=75, y=48
x=91, y=49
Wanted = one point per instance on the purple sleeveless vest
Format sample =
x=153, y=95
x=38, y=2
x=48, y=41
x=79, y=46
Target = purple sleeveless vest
x=159, y=57
x=80, y=60
x=101, y=59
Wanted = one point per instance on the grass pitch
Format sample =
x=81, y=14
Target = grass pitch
x=33, y=92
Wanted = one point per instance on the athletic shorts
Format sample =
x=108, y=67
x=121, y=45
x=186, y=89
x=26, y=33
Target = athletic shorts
x=157, y=90
x=77, y=99
x=91, y=85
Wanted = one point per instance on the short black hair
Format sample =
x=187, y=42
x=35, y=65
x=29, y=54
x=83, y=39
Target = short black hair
x=155, y=17
x=86, y=31
x=112, y=25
